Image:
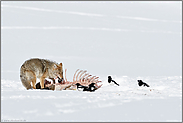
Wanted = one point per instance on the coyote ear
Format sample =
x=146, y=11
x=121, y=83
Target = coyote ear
x=60, y=64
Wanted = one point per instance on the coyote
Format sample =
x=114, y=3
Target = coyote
x=39, y=68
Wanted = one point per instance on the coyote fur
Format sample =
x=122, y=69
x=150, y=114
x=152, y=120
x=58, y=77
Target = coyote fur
x=39, y=68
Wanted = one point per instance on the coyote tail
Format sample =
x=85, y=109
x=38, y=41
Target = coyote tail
x=24, y=79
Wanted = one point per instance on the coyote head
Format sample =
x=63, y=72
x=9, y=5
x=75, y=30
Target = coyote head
x=58, y=71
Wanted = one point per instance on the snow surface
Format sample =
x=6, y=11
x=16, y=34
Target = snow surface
x=128, y=40
x=162, y=101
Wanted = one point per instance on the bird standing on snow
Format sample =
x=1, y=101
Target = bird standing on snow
x=110, y=79
x=140, y=83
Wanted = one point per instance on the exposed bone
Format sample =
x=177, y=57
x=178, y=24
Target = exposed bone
x=82, y=78
x=98, y=81
x=86, y=78
x=81, y=75
x=78, y=74
x=65, y=75
x=92, y=80
x=62, y=86
x=98, y=85
x=75, y=75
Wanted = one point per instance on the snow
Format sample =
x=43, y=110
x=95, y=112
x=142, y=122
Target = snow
x=128, y=40
x=162, y=101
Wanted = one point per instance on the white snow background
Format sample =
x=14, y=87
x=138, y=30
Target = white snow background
x=127, y=40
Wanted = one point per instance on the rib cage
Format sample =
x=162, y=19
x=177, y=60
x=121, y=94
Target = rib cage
x=84, y=78
x=81, y=77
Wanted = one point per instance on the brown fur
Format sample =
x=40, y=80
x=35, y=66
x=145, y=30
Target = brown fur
x=41, y=69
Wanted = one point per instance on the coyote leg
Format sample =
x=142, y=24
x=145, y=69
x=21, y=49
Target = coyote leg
x=42, y=81
x=34, y=82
